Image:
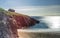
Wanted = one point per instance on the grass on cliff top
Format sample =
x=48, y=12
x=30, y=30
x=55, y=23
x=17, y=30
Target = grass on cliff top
x=11, y=13
x=1, y=9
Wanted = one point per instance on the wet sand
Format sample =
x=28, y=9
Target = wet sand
x=38, y=34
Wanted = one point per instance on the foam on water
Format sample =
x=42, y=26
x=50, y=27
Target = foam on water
x=53, y=21
x=47, y=22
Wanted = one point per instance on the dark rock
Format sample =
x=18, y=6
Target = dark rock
x=11, y=10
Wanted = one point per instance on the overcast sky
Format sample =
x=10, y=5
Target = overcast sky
x=32, y=7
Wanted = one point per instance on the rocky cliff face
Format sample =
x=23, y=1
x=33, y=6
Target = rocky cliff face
x=4, y=26
x=11, y=21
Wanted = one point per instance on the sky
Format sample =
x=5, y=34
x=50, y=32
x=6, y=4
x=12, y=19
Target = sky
x=33, y=7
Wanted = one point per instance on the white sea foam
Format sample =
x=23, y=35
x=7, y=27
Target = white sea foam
x=52, y=21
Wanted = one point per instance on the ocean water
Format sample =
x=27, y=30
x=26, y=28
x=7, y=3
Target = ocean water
x=41, y=25
x=46, y=22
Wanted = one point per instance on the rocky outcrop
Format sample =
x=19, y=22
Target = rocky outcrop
x=12, y=10
x=11, y=21
x=4, y=26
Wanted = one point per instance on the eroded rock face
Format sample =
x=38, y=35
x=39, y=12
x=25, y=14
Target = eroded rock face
x=9, y=23
x=4, y=27
x=7, y=28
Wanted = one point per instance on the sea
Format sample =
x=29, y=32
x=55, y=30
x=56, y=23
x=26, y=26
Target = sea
x=41, y=25
x=46, y=22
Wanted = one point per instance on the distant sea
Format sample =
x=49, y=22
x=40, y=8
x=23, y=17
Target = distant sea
x=41, y=25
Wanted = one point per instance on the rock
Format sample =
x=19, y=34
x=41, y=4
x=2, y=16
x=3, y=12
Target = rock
x=4, y=31
x=10, y=22
x=11, y=10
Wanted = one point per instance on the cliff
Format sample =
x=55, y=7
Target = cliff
x=10, y=21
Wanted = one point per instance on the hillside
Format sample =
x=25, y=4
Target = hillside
x=10, y=21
